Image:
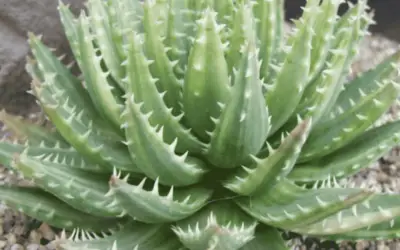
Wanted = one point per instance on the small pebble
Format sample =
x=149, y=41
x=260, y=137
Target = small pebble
x=17, y=247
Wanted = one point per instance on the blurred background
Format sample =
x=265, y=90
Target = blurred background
x=387, y=15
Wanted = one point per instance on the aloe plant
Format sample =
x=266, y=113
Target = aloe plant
x=197, y=124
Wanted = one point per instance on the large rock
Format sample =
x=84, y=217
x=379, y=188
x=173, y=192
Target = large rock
x=17, y=18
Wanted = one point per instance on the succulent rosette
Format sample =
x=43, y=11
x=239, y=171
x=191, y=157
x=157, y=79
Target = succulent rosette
x=198, y=124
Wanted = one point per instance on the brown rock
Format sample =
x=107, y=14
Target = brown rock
x=17, y=18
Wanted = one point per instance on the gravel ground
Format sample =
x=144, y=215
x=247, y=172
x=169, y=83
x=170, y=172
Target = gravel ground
x=18, y=231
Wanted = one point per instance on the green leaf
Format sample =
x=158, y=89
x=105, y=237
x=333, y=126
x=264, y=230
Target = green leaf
x=359, y=21
x=207, y=81
x=68, y=86
x=104, y=34
x=152, y=207
x=55, y=155
x=70, y=25
x=140, y=81
x=329, y=136
x=82, y=190
x=30, y=132
x=387, y=230
x=319, y=94
x=237, y=38
x=105, y=95
x=269, y=19
x=367, y=83
x=283, y=96
x=177, y=35
x=80, y=135
x=162, y=67
x=97, y=83
x=220, y=225
x=309, y=207
x=377, y=209
x=242, y=128
x=132, y=235
x=152, y=155
x=125, y=16
x=270, y=170
x=266, y=238
x=360, y=153
x=42, y=206
x=322, y=41
x=7, y=152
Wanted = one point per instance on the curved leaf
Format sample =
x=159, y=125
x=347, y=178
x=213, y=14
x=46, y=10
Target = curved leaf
x=220, y=225
x=152, y=155
x=132, y=236
x=348, y=160
x=267, y=238
x=270, y=170
x=162, y=67
x=143, y=86
x=242, y=128
x=207, y=81
x=283, y=96
x=42, y=206
x=378, y=208
x=79, y=134
x=310, y=207
x=151, y=207
x=82, y=190
x=334, y=134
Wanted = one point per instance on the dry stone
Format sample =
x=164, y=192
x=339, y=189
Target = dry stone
x=17, y=18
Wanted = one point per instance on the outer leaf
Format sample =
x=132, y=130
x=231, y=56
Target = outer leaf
x=285, y=94
x=70, y=24
x=142, y=84
x=81, y=44
x=152, y=155
x=104, y=95
x=334, y=134
x=310, y=207
x=105, y=37
x=82, y=190
x=237, y=37
x=177, y=38
x=206, y=82
x=7, y=152
x=322, y=41
x=359, y=20
x=151, y=207
x=379, y=208
x=162, y=68
x=80, y=135
x=267, y=238
x=125, y=16
x=319, y=94
x=224, y=10
x=68, y=86
x=67, y=157
x=360, y=153
x=30, y=132
x=385, y=230
x=219, y=226
x=269, y=17
x=243, y=125
x=133, y=236
x=41, y=205
x=367, y=83
x=267, y=172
